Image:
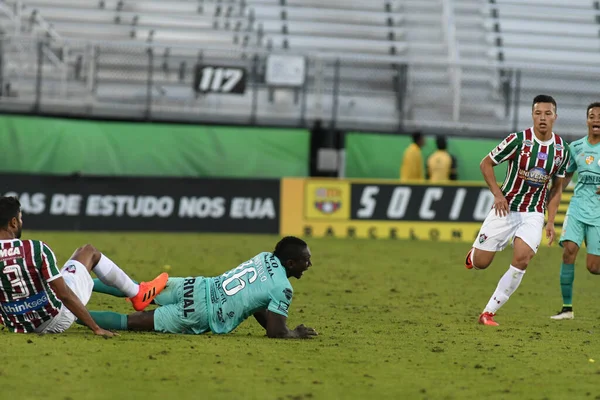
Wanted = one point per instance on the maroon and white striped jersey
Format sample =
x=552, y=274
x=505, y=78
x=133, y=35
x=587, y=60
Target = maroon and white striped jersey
x=531, y=165
x=26, y=299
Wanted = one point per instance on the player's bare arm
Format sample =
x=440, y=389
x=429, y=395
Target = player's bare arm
x=72, y=302
x=487, y=169
x=553, y=203
x=261, y=318
x=566, y=180
x=277, y=328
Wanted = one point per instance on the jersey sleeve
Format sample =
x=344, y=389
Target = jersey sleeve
x=572, y=162
x=48, y=266
x=566, y=163
x=281, y=298
x=506, y=149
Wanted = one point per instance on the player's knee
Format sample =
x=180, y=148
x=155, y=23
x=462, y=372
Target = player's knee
x=570, y=250
x=90, y=249
x=521, y=260
x=594, y=267
x=481, y=260
x=87, y=254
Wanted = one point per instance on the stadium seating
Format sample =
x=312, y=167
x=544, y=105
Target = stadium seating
x=546, y=42
x=460, y=53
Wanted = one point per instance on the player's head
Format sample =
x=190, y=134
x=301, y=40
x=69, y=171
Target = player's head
x=441, y=143
x=593, y=119
x=10, y=216
x=543, y=111
x=294, y=255
x=418, y=139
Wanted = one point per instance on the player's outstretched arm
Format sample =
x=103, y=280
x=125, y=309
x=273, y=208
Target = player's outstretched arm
x=277, y=328
x=72, y=302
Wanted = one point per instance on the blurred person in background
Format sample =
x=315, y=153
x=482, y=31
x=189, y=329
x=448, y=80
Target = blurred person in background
x=441, y=165
x=412, y=160
x=582, y=221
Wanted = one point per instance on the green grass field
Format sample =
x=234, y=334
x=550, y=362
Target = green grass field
x=396, y=320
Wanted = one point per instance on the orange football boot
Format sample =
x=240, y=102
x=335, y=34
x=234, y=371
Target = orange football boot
x=487, y=318
x=468, y=263
x=148, y=291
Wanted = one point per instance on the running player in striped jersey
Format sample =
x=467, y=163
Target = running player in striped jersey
x=535, y=156
x=36, y=297
x=582, y=222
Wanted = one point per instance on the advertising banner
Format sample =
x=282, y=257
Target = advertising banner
x=146, y=204
x=387, y=210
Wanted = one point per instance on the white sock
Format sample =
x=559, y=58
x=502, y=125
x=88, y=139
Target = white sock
x=506, y=287
x=109, y=273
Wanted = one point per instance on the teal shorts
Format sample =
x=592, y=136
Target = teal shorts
x=181, y=312
x=576, y=231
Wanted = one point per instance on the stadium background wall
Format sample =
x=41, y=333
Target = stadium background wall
x=380, y=156
x=58, y=146
x=146, y=204
x=387, y=210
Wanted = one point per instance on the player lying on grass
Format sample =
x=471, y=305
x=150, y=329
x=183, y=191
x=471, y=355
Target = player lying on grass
x=259, y=287
x=582, y=222
x=36, y=297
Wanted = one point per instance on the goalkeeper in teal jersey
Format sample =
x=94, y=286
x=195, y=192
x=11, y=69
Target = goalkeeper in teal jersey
x=195, y=305
x=582, y=222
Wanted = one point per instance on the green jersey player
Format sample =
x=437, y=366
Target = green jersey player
x=582, y=222
x=195, y=305
x=534, y=156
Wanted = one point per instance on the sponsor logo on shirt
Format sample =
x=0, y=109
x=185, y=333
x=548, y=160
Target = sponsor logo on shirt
x=559, y=147
x=29, y=304
x=527, y=143
x=542, y=156
x=11, y=254
x=535, y=177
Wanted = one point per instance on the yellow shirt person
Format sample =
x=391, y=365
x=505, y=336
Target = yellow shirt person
x=412, y=161
x=441, y=167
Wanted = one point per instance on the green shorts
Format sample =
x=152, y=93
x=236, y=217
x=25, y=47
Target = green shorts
x=576, y=231
x=182, y=307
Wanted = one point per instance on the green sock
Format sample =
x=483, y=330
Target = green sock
x=567, y=276
x=108, y=320
x=101, y=287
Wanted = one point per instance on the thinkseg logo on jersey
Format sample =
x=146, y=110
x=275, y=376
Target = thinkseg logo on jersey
x=328, y=200
x=11, y=254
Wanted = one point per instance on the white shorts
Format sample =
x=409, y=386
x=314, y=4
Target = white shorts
x=497, y=232
x=77, y=278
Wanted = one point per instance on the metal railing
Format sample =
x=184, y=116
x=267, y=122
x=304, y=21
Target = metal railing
x=142, y=81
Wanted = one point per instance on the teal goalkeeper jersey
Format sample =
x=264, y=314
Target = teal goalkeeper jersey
x=585, y=203
x=257, y=284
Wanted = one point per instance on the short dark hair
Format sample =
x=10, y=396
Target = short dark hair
x=289, y=248
x=544, y=98
x=592, y=105
x=441, y=143
x=9, y=209
x=417, y=136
